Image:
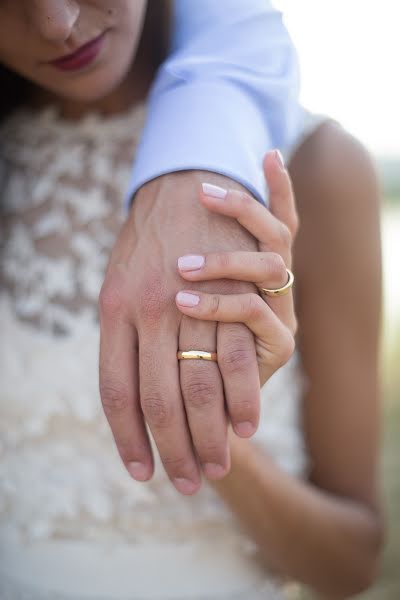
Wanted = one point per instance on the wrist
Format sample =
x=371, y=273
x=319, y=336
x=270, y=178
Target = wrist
x=191, y=177
x=173, y=200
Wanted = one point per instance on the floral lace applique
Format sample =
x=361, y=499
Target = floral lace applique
x=60, y=473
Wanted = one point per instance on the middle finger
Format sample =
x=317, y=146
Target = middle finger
x=163, y=408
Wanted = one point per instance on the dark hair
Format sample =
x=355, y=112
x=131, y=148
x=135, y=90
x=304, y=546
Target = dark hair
x=156, y=34
x=154, y=44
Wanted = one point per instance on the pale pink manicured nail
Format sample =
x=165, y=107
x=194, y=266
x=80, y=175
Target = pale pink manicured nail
x=190, y=262
x=214, y=190
x=279, y=159
x=187, y=299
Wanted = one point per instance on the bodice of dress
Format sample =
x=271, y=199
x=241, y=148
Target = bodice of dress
x=61, y=479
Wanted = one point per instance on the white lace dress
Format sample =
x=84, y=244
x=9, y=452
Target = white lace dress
x=73, y=524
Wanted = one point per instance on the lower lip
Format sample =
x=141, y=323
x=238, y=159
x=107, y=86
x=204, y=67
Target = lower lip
x=83, y=57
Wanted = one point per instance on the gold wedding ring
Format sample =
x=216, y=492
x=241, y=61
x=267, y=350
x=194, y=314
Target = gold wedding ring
x=282, y=290
x=201, y=354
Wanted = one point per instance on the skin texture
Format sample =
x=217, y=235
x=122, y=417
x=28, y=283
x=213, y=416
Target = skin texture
x=194, y=384
x=141, y=326
x=51, y=29
x=326, y=532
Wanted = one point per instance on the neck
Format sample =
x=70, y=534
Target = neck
x=132, y=90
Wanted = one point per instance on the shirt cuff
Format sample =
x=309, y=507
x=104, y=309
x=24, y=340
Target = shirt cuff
x=201, y=125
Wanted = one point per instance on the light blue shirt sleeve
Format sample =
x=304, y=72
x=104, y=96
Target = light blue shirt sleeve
x=226, y=94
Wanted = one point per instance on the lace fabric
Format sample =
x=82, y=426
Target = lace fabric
x=62, y=186
x=62, y=190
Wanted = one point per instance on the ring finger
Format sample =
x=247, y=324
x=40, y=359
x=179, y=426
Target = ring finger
x=274, y=341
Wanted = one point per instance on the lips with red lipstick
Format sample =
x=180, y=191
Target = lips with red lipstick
x=82, y=57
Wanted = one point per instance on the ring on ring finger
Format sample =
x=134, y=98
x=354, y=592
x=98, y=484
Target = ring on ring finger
x=282, y=291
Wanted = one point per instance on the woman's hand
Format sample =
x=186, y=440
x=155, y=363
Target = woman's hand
x=271, y=319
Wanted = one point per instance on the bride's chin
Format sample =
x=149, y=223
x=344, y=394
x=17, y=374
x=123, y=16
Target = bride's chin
x=105, y=96
x=89, y=82
x=91, y=89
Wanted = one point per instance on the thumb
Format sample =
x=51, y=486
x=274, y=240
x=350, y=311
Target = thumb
x=281, y=197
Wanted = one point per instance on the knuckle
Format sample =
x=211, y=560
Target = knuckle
x=214, y=304
x=294, y=224
x=277, y=268
x=285, y=236
x=212, y=452
x=242, y=409
x=253, y=306
x=294, y=325
x=223, y=261
x=287, y=347
x=244, y=199
x=236, y=358
x=212, y=449
x=153, y=300
x=198, y=392
x=111, y=298
x=157, y=412
x=114, y=396
x=175, y=465
x=131, y=449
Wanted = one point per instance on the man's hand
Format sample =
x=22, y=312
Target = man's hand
x=141, y=378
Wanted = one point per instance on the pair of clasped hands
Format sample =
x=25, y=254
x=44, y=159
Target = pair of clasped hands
x=153, y=303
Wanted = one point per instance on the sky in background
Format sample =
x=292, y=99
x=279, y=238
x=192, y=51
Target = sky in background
x=349, y=54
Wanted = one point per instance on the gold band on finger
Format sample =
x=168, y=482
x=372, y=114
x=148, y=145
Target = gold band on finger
x=200, y=354
x=282, y=290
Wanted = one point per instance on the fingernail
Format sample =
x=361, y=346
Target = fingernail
x=138, y=470
x=187, y=299
x=245, y=428
x=279, y=159
x=190, y=262
x=213, y=470
x=214, y=190
x=185, y=485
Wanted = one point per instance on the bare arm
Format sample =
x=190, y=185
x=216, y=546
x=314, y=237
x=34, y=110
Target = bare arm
x=326, y=533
